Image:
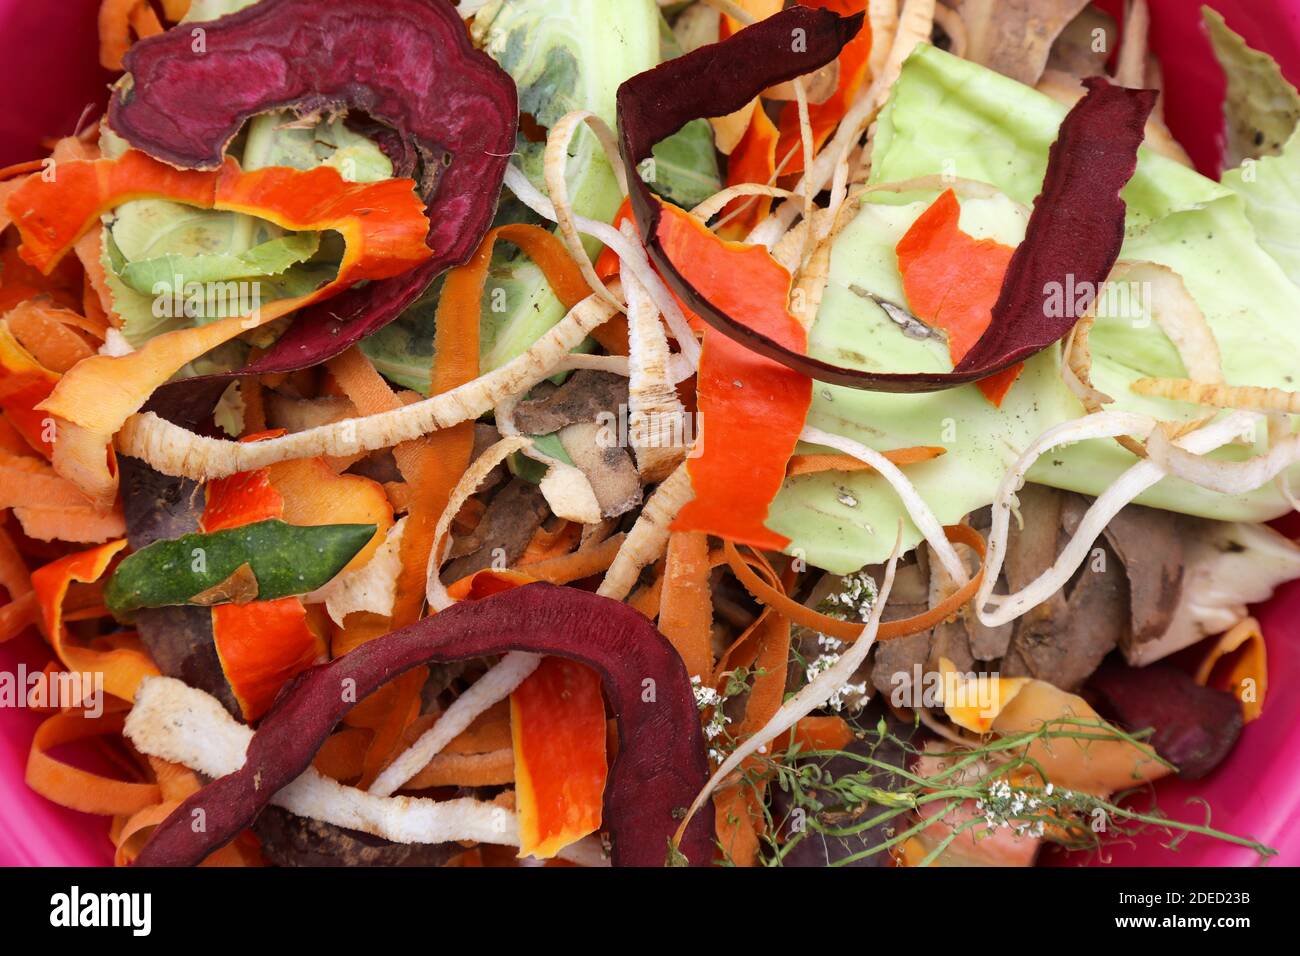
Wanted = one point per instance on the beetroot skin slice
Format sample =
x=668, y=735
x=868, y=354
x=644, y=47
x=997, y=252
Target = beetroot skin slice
x=661, y=763
x=407, y=64
x=1194, y=727
x=1075, y=230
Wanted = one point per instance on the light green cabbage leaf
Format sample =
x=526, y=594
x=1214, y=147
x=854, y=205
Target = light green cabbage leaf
x=950, y=116
x=564, y=56
x=1261, y=108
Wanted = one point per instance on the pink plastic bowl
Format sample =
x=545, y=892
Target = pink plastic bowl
x=49, y=72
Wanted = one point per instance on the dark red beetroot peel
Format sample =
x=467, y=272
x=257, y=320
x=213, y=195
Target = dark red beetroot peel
x=660, y=767
x=1076, y=228
x=1194, y=727
x=407, y=64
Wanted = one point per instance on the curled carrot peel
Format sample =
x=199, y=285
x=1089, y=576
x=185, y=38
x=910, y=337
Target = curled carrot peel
x=24, y=384
x=79, y=789
x=953, y=281
x=123, y=667
x=583, y=563
x=382, y=223
x=848, y=630
x=752, y=161
x=1238, y=663
x=18, y=615
x=823, y=117
x=752, y=408
x=686, y=605
x=45, y=330
x=814, y=464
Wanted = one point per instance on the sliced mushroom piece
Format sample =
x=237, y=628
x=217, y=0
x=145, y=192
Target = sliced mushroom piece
x=1150, y=545
x=582, y=398
x=610, y=469
x=1226, y=566
x=897, y=663
x=1031, y=549
x=1085, y=44
x=503, y=533
x=1015, y=37
x=1066, y=650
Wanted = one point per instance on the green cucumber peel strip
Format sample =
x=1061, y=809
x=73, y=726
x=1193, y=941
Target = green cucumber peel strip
x=285, y=559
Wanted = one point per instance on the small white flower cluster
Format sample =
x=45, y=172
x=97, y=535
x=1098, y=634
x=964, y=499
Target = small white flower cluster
x=1003, y=807
x=706, y=697
x=823, y=662
x=838, y=699
x=854, y=600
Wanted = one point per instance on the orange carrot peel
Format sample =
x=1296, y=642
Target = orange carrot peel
x=752, y=408
x=383, y=224
x=953, y=281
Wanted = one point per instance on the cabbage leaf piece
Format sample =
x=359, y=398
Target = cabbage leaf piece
x=948, y=115
x=562, y=57
x=407, y=64
x=1074, y=233
x=1261, y=108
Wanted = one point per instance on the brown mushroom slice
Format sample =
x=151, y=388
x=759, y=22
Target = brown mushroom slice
x=897, y=663
x=509, y=523
x=1080, y=50
x=609, y=468
x=1149, y=542
x=1032, y=546
x=1015, y=37
x=1064, y=639
x=582, y=398
x=1069, y=648
x=1226, y=566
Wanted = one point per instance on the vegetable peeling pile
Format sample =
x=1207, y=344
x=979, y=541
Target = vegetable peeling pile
x=806, y=433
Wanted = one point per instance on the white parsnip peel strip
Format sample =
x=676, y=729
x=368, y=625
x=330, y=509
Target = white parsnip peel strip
x=494, y=686
x=1179, y=317
x=710, y=207
x=632, y=257
x=173, y=450
x=883, y=17
x=1130, y=69
x=554, y=166
x=656, y=418
x=646, y=542
x=175, y=722
x=1225, y=477
x=1219, y=395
